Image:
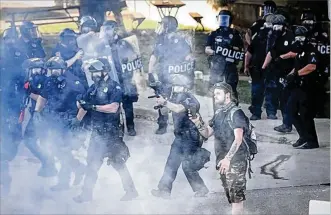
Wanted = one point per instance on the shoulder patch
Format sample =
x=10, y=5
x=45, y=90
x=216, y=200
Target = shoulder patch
x=118, y=87
x=286, y=43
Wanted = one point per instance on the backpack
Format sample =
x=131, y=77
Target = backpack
x=249, y=138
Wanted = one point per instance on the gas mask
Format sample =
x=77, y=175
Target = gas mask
x=55, y=72
x=298, y=44
x=69, y=42
x=309, y=24
x=97, y=77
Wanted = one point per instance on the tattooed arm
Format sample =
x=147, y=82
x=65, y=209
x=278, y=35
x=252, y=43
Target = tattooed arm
x=238, y=139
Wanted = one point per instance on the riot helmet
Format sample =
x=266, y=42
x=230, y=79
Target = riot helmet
x=10, y=36
x=269, y=7
x=68, y=37
x=87, y=24
x=278, y=22
x=29, y=30
x=224, y=18
x=99, y=69
x=167, y=25
x=308, y=19
x=300, y=33
x=109, y=30
x=56, y=66
x=35, y=66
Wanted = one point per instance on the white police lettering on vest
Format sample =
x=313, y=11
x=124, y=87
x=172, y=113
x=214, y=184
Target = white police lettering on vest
x=132, y=66
x=238, y=55
x=324, y=49
x=185, y=67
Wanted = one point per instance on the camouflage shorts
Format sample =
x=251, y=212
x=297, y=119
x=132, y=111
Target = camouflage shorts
x=234, y=182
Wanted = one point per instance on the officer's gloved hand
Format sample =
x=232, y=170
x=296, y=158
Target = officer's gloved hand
x=291, y=77
x=74, y=123
x=86, y=106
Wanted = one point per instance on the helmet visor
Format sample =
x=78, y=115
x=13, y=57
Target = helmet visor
x=277, y=27
x=300, y=38
x=55, y=72
x=85, y=29
x=34, y=33
x=159, y=28
x=224, y=20
x=267, y=9
x=108, y=32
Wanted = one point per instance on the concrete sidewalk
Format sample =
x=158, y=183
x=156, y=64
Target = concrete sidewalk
x=264, y=128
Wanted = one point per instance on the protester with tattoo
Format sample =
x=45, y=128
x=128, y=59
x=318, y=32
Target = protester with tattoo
x=228, y=125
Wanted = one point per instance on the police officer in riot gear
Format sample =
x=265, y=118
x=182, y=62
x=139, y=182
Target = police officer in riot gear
x=302, y=97
x=55, y=117
x=187, y=140
x=268, y=8
x=226, y=46
x=35, y=83
x=321, y=40
x=280, y=66
x=68, y=50
x=170, y=51
x=110, y=35
x=87, y=24
x=11, y=95
x=103, y=100
x=30, y=41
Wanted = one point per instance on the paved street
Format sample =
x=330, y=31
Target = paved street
x=283, y=182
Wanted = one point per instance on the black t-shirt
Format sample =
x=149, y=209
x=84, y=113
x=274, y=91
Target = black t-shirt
x=282, y=46
x=224, y=133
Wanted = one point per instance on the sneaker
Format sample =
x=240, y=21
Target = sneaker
x=283, y=128
x=161, y=130
x=132, y=132
x=201, y=193
x=83, y=197
x=130, y=196
x=308, y=145
x=298, y=143
x=47, y=171
x=161, y=194
x=254, y=117
x=60, y=187
x=272, y=116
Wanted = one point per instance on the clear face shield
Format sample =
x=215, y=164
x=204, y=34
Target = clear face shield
x=34, y=33
x=85, y=29
x=160, y=28
x=180, y=83
x=223, y=20
x=108, y=32
x=277, y=27
x=267, y=10
x=69, y=41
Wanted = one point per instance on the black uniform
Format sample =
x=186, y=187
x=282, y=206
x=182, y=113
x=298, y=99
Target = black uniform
x=302, y=98
x=187, y=142
x=321, y=41
x=106, y=138
x=60, y=93
x=228, y=46
x=12, y=81
x=170, y=53
x=279, y=69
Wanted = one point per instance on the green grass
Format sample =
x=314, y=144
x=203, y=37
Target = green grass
x=244, y=91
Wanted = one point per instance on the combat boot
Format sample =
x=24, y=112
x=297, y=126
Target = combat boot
x=161, y=130
x=48, y=170
x=308, y=145
x=161, y=194
x=254, y=117
x=130, y=195
x=201, y=193
x=83, y=197
x=283, y=128
x=132, y=132
x=299, y=142
x=60, y=187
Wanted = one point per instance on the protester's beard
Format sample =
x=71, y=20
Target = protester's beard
x=221, y=101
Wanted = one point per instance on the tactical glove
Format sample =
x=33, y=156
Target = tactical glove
x=86, y=105
x=291, y=77
x=74, y=123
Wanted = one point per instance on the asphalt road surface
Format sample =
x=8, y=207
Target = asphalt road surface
x=265, y=195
